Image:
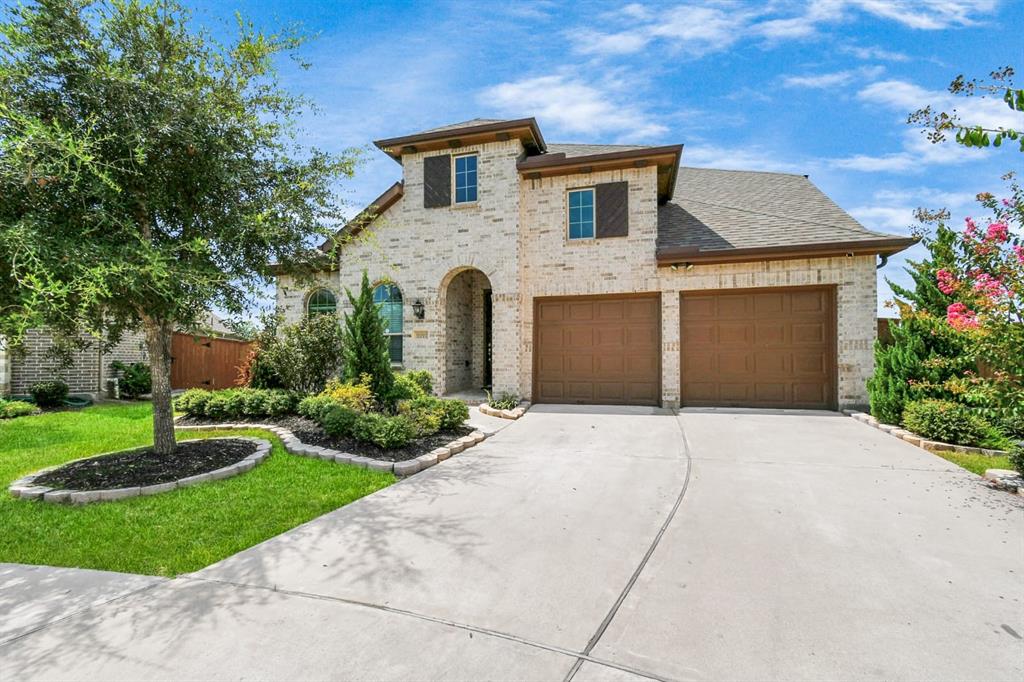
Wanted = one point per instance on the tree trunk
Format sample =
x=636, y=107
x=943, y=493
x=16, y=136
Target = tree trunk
x=158, y=339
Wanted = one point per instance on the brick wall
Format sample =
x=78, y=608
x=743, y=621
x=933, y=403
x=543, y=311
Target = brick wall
x=86, y=374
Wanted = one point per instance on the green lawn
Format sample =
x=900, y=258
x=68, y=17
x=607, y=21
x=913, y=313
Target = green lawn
x=975, y=463
x=164, y=534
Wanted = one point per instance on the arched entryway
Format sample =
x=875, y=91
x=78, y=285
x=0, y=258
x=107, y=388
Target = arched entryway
x=467, y=327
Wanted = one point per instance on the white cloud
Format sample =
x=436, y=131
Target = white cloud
x=874, y=52
x=749, y=157
x=699, y=28
x=570, y=105
x=829, y=80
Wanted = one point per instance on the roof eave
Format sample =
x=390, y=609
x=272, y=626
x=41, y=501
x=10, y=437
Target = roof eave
x=693, y=255
x=376, y=207
x=396, y=146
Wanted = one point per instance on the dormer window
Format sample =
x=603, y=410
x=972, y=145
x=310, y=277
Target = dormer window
x=465, y=179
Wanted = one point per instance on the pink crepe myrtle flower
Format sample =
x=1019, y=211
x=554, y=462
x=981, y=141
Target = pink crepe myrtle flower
x=961, y=317
x=997, y=232
x=989, y=286
x=946, y=281
x=1019, y=250
x=971, y=228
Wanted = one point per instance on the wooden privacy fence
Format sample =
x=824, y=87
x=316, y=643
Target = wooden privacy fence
x=206, y=362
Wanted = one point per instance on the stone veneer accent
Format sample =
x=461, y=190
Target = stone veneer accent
x=515, y=235
x=86, y=374
x=293, y=445
x=25, y=488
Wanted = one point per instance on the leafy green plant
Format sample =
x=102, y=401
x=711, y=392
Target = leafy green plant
x=338, y=420
x=423, y=378
x=1017, y=457
x=366, y=346
x=9, y=409
x=49, y=393
x=236, y=403
x=507, y=401
x=406, y=388
x=135, y=379
x=355, y=396
x=302, y=357
x=387, y=432
x=950, y=422
x=193, y=401
x=425, y=412
x=453, y=413
x=315, y=407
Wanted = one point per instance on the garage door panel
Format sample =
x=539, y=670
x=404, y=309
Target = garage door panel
x=758, y=348
x=599, y=350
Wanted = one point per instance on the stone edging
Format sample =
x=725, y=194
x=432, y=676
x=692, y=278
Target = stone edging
x=514, y=413
x=25, y=488
x=1005, y=479
x=407, y=468
x=919, y=441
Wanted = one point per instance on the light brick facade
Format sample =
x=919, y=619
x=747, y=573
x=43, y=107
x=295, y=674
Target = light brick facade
x=513, y=241
x=86, y=374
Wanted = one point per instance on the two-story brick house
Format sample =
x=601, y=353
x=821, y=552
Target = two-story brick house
x=610, y=274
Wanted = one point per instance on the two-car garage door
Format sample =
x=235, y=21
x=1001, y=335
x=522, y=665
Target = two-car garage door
x=749, y=348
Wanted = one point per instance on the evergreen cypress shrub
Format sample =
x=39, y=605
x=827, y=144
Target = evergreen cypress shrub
x=366, y=345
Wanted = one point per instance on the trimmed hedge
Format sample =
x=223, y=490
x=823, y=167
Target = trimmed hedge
x=234, y=403
x=9, y=409
x=49, y=393
x=386, y=432
x=950, y=422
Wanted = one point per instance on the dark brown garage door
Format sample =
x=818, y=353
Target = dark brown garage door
x=598, y=350
x=758, y=348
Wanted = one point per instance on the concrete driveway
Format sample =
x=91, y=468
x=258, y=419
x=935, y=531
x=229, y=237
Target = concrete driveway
x=598, y=544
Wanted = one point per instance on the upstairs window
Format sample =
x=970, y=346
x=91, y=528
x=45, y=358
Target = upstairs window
x=321, y=302
x=389, y=299
x=465, y=179
x=581, y=214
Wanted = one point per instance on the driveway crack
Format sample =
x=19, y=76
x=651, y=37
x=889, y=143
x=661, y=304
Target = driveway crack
x=643, y=561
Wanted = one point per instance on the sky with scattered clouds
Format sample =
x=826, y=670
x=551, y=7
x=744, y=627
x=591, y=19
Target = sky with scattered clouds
x=819, y=87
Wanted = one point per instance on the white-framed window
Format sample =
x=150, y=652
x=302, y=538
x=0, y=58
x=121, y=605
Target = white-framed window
x=581, y=213
x=321, y=302
x=388, y=298
x=465, y=179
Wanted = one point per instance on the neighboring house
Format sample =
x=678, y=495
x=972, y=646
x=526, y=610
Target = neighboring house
x=570, y=273
x=89, y=368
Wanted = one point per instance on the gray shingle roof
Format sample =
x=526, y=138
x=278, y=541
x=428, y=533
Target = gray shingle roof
x=571, y=150
x=721, y=209
x=463, y=124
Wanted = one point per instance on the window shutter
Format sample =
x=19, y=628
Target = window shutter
x=437, y=181
x=611, y=203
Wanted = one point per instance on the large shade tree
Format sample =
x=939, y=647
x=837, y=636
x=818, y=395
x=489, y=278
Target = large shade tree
x=148, y=172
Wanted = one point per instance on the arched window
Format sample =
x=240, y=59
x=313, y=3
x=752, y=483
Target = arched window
x=389, y=298
x=321, y=302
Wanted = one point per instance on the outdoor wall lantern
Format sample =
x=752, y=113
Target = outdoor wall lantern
x=417, y=309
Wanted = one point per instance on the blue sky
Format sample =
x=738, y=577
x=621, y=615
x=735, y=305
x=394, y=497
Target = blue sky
x=819, y=87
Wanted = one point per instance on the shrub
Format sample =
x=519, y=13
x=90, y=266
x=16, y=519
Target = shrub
x=453, y=413
x=135, y=379
x=422, y=378
x=315, y=407
x=9, y=409
x=235, y=403
x=257, y=371
x=386, y=432
x=425, y=413
x=950, y=422
x=338, y=420
x=366, y=346
x=507, y=401
x=1017, y=457
x=355, y=396
x=49, y=393
x=193, y=402
x=299, y=357
x=405, y=388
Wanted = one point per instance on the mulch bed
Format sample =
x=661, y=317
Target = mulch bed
x=310, y=433
x=145, y=467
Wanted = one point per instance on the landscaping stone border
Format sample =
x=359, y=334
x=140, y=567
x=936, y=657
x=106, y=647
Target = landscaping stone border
x=920, y=441
x=407, y=468
x=25, y=488
x=1005, y=479
x=514, y=413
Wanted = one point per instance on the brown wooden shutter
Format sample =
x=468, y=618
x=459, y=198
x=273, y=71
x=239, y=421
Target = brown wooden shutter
x=611, y=203
x=437, y=181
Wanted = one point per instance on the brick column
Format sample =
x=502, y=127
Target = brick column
x=670, y=348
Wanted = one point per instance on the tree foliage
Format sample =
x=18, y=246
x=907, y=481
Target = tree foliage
x=925, y=294
x=304, y=356
x=366, y=344
x=148, y=173
x=939, y=124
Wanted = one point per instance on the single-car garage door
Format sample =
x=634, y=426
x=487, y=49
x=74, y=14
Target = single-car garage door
x=758, y=348
x=598, y=350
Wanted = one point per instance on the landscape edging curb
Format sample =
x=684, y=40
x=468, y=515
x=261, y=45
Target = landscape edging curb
x=296, y=447
x=514, y=413
x=24, y=488
x=920, y=441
